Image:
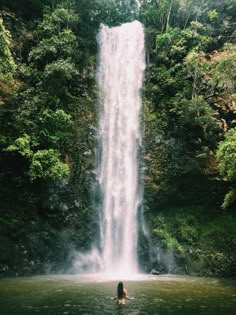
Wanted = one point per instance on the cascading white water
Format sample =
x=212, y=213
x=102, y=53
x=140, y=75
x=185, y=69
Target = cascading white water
x=120, y=78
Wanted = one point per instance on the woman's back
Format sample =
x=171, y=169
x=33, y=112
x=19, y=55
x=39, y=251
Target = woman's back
x=121, y=294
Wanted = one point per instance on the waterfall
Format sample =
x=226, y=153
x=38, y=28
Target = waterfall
x=120, y=77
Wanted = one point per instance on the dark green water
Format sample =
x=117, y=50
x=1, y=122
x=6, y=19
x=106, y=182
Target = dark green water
x=56, y=295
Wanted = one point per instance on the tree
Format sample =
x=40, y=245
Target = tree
x=7, y=64
x=226, y=157
x=42, y=101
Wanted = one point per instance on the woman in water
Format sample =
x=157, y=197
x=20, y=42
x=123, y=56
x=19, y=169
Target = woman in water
x=121, y=294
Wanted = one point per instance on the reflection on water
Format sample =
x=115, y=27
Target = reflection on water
x=87, y=295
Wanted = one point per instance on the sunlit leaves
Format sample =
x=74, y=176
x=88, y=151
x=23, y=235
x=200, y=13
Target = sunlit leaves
x=62, y=45
x=58, y=20
x=178, y=42
x=226, y=157
x=213, y=15
x=223, y=72
x=22, y=146
x=54, y=127
x=46, y=164
x=49, y=81
x=7, y=64
x=57, y=120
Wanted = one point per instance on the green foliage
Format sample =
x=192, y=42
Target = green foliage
x=7, y=64
x=27, y=9
x=198, y=237
x=166, y=38
x=179, y=227
x=229, y=199
x=50, y=80
x=163, y=231
x=58, y=76
x=178, y=42
x=223, y=74
x=213, y=15
x=21, y=146
x=54, y=126
x=58, y=20
x=46, y=164
x=189, y=92
x=61, y=45
x=226, y=156
x=57, y=120
x=218, y=232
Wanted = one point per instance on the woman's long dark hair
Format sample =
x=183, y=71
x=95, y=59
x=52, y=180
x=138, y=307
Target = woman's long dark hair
x=120, y=290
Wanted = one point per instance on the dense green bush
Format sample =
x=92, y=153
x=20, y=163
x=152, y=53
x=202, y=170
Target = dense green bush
x=198, y=239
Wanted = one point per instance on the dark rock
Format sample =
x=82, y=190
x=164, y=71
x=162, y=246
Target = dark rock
x=155, y=272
